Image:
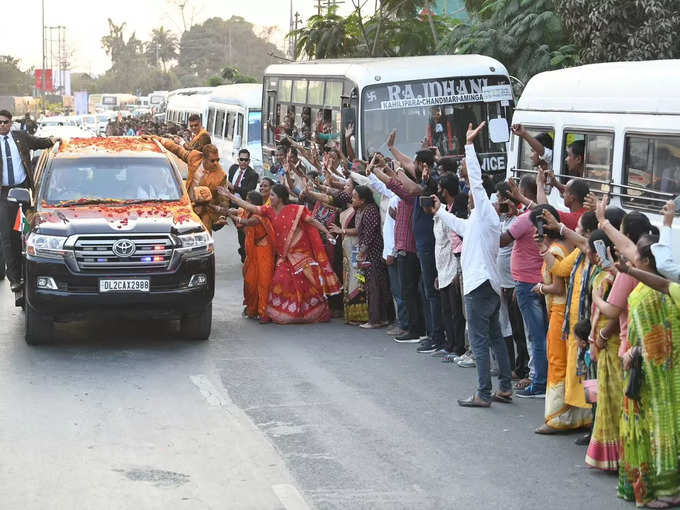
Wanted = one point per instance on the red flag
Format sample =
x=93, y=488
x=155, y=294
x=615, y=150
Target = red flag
x=37, y=76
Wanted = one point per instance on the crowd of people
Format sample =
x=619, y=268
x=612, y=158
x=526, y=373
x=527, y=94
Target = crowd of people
x=536, y=283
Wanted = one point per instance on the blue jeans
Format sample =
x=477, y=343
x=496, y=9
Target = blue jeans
x=395, y=286
x=483, y=306
x=433, y=306
x=532, y=306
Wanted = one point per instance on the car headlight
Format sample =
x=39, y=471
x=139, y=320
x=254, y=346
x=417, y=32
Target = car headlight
x=200, y=242
x=40, y=245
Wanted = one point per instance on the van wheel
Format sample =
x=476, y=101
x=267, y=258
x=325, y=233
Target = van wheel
x=198, y=326
x=39, y=327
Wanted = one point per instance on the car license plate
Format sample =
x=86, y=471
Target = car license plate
x=124, y=285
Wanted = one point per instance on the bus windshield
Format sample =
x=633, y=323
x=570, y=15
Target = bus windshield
x=254, y=126
x=435, y=113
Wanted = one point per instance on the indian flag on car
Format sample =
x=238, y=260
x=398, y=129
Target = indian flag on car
x=21, y=223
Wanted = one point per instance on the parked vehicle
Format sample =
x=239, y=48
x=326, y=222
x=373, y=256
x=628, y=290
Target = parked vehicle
x=628, y=116
x=112, y=234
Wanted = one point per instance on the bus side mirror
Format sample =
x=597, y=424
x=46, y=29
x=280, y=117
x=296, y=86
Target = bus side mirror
x=498, y=130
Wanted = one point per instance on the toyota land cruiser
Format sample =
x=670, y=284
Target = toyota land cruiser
x=112, y=234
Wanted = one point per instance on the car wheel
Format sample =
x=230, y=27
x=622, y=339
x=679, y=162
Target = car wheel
x=198, y=326
x=39, y=327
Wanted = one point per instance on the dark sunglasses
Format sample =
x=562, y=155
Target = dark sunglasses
x=5, y=122
x=244, y=159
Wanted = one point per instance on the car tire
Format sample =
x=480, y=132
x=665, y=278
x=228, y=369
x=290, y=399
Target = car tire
x=197, y=326
x=39, y=327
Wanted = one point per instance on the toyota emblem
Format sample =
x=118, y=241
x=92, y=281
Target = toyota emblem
x=124, y=248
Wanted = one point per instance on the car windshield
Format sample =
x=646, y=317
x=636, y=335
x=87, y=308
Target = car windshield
x=109, y=179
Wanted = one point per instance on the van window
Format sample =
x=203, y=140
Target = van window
x=219, y=123
x=525, y=162
x=284, y=90
x=597, y=160
x=230, y=126
x=315, y=94
x=239, y=125
x=211, y=120
x=333, y=93
x=652, y=169
x=300, y=91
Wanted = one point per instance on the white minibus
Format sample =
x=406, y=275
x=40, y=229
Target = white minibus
x=628, y=116
x=232, y=118
x=432, y=98
x=184, y=102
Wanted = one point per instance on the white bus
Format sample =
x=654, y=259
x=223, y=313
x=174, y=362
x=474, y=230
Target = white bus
x=433, y=97
x=184, y=102
x=233, y=120
x=628, y=116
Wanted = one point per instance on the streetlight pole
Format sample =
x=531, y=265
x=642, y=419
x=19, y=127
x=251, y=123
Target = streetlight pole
x=43, y=58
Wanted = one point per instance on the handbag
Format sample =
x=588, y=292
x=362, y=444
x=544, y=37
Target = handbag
x=635, y=379
x=590, y=386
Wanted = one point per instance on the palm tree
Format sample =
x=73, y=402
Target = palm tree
x=113, y=43
x=326, y=36
x=163, y=47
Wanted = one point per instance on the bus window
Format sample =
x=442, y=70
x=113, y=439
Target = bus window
x=211, y=120
x=230, y=126
x=285, y=87
x=315, y=94
x=239, y=125
x=219, y=123
x=652, y=169
x=333, y=94
x=598, y=150
x=254, y=128
x=525, y=162
x=300, y=92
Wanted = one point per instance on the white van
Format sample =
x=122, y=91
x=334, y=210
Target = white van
x=628, y=115
x=233, y=119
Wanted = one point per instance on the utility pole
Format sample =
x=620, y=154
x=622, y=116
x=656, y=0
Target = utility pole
x=43, y=58
x=291, y=27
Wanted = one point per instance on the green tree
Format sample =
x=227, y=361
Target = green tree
x=14, y=81
x=163, y=47
x=328, y=35
x=527, y=36
x=618, y=30
x=233, y=75
x=113, y=43
x=206, y=49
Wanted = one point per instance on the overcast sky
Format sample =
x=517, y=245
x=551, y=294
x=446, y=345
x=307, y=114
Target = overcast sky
x=86, y=23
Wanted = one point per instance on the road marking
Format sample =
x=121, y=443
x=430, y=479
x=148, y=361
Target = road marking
x=289, y=496
x=208, y=391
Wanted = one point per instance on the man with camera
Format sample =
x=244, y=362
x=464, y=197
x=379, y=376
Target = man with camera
x=16, y=172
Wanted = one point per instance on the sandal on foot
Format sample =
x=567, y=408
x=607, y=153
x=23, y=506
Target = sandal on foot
x=474, y=401
x=522, y=383
x=547, y=430
x=502, y=398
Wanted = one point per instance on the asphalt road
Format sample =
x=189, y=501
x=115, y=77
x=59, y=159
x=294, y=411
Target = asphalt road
x=129, y=415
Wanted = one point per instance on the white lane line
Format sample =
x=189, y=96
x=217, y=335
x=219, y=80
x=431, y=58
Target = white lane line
x=289, y=496
x=208, y=391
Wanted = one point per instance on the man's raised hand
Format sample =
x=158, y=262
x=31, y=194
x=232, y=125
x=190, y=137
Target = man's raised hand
x=472, y=132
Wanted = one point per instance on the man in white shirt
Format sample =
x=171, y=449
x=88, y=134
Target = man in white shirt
x=663, y=250
x=481, y=282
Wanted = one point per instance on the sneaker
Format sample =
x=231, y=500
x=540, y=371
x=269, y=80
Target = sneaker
x=531, y=392
x=407, y=338
x=466, y=361
x=440, y=353
x=427, y=348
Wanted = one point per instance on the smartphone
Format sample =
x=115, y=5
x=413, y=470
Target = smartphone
x=426, y=202
x=539, y=229
x=601, y=250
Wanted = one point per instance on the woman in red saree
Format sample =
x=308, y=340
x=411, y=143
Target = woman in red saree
x=258, y=267
x=303, y=277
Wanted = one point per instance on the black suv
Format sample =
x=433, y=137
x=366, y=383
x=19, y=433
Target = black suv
x=112, y=234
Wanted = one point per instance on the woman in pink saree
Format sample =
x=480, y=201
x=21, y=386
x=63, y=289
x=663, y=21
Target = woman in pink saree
x=303, y=277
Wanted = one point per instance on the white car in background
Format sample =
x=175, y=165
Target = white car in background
x=89, y=121
x=62, y=127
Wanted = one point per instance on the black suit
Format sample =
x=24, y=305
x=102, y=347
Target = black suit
x=9, y=239
x=248, y=183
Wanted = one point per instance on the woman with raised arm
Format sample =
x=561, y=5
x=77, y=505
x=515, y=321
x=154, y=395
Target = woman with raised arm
x=303, y=277
x=649, y=467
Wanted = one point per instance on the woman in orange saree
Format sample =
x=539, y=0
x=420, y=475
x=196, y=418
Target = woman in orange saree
x=303, y=277
x=258, y=267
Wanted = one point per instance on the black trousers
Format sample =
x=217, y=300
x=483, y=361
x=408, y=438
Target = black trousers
x=517, y=344
x=452, y=314
x=10, y=240
x=409, y=273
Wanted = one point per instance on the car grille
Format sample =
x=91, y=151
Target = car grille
x=152, y=253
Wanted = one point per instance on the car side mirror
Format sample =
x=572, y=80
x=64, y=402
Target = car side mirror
x=19, y=196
